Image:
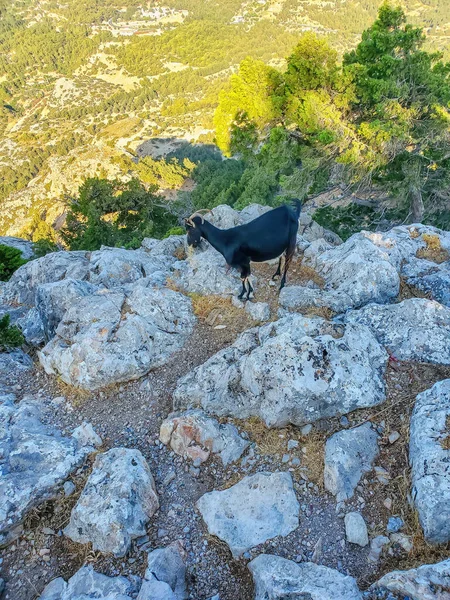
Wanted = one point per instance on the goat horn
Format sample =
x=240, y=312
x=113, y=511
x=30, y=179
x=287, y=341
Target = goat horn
x=198, y=213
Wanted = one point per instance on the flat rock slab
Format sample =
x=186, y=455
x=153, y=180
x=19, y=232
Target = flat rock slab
x=427, y=582
x=295, y=370
x=112, y=337
x=256, y=509
x=416, y=329
x=429, y=455
x=86, y=583
x=297, y=297
x=194, y=435
x=35, y=460
x=116, y=504
x=277, y=578
x=348, y=455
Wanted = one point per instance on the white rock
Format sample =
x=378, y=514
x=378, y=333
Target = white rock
x=35, y=460
x=416, y=329
x=117, y=502
x=356, y=529
x=165, y=577
x=427, y=582
x=277, y=578
x=376, y=548
x=86, y=583
x=256, y=509
x=429, y=458
x=348, y=455
x=194, y=435
x=300, y=298
x=108, y=338
x=69, y=488
x=86, y=436
x=259, y=311
x=294, y=370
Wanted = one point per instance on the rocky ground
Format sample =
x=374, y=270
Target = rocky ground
x=347, y=459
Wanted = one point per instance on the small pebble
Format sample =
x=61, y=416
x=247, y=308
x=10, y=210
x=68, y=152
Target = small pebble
x=393, y=437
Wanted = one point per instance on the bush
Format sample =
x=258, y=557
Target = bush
x=44, y=246
x=10, y=336
x=10, y=260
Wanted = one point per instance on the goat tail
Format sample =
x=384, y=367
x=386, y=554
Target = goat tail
x=298, y=206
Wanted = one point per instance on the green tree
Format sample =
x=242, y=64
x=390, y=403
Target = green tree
x=10, y=335
x=10, y=260
x=113, y=213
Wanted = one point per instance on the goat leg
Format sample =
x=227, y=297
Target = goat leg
x=278, y=271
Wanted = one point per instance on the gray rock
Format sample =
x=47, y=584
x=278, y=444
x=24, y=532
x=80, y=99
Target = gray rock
x=429, y=458
x=300, y=298
x=205, y=272
x=118, y=500
x=259, y=311
x=358, y=269
x=69, y=488
x=427, y=582
x=54, y=299
x=165, y=248
x=356, y=529
x=348, y=455
x=165, y=577
x=294, y=370
x=53, y=267
x=36, y=459
x=25, y=247
x=256, y=509
x=14, y=362
x=310, y=230
x=394, y=524
x=224, y=217
x=86, y=583
x=376, y=548
x=405, y=541
x=429, y=277
x=108, y=338
x=277, y=578
x=86, y=436
x=416, y=329
x=251, y=212
x=194, y=435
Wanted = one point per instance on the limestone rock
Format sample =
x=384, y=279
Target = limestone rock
x=427, y=582
x=35, y=460
x=348, y=455
x=256, y=509
x=429, y=458
x=277, y=578
x=299, y=297
x=416, y=329
x=259, y=311
x=86, y=436
x=118, y=500
x=195, y=435
x=86, y=583
x=295, y=370
x=376, y=548
x=108, y=338
x=165, y=577
x=356, y=529
x=25, y=247
x=54, y=299
x=428, y=277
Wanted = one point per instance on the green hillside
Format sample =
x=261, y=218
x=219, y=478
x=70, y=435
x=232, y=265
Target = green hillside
x=85, y=84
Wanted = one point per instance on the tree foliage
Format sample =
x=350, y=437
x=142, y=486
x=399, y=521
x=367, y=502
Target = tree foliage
x=10, y=260
x=10, y=335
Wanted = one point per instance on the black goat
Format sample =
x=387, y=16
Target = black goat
x=264, y=238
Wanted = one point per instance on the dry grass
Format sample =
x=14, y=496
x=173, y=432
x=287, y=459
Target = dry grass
x=409, y=291
x=180, y=253
x=269, y=441
x=218, y=311
x=433, y=250
x=445, y=442
x=414, y=233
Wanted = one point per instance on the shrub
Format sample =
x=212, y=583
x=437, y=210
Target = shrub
x=10, y=335
x=10, y=260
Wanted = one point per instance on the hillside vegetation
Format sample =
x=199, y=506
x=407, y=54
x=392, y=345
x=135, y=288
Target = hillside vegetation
x=83, y=85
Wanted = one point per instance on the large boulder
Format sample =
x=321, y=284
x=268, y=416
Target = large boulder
x=54, y=299
x=358, y=269
x=194, y=435
x=297, y=297
x=24, y=246
x=256, y=509
x=21, y=288
x=427, y=582
x=429, y=451
x=428, y=277
x=277, y=578
x=116, y=504
x=108, y=337
x=35, y=460
x=416, y=329
x=348, y=455
x=295, y=370
x=205, y=272
x=86, y=583
x=310, y=230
